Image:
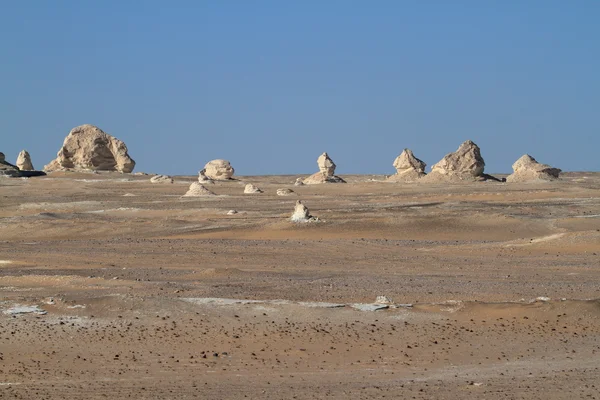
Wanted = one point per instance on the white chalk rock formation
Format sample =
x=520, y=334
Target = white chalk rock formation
x=219, y=170
x=299, y=182
x=285, y=192
x=251, y=189
x=527, y=169
x=326, y=172
x=383, y=300
x=232, y=212
x=87, y=147
x=301, y=214
x=202, y=178
x=198, y=190
x=7, y=168
x=465, y=163
x=409, y=168
x=24, y=161
x=161, y=179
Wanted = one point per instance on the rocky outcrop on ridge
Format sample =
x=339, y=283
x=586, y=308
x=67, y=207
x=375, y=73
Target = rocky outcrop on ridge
x=326, y=172
x=7, y=169
x=219, y=170
x=409, y=168
x=88, y=148
x=24, y=161
x=527, y=169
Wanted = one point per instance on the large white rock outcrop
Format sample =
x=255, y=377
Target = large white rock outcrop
x=465, y=164
x=326, y=172
x=408, y=167
x=219, y=170
x=198, y=190
x=87, y=147
x=527, y=169
x=24, y=161
x=301, y=213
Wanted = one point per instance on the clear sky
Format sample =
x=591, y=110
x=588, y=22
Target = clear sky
x=270, y=85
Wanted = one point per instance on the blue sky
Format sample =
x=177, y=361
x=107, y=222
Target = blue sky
x=269, y=85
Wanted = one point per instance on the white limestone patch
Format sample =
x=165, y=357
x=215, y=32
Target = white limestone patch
x=369, y=307
x=319, y=304
x=20, y=309
x=56, y=206
x=311, y=304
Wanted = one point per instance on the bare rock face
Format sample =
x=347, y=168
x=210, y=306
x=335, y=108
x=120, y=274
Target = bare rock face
x=326, y=172
x=87, y=147
x=465, y=163
x=219, y=170
x=202, y=178
x=6, y=168
x=409, y=168
x=24, y=161
x=251, y=189
x=301, y=214
x=285, y=192
x=527, y=169
x=161, y=179
x=198, y=190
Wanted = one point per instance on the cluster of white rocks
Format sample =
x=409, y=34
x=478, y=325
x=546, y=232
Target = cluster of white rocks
x=88, y=148
x=466, y=165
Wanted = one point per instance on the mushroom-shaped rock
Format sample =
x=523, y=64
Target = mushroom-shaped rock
x=299, y=182
x=465, y=164
x=251, y=189
x=285, y=192
x=326, y=164
x=220, y=170
x=24, y=161
x=202, y=178
x=161, y=179
x=326, y=172
x=87, y=147
x=527, y=169
x=409, y=168
x=301, y=213
x=198, y=190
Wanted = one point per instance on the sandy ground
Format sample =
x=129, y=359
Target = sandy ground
x=113, y=287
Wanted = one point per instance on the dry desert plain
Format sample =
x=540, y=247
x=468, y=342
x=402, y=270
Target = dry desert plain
x=141, y=293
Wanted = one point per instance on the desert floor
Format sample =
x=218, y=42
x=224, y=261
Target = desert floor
x=137, y=292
